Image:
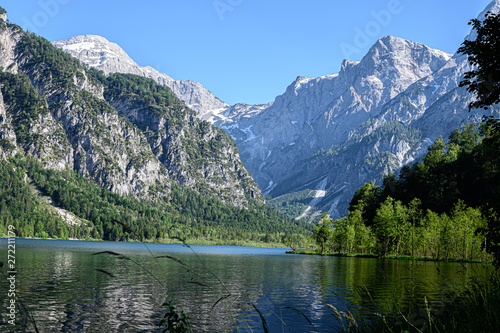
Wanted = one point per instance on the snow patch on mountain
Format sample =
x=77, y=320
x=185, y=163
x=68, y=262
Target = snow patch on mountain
x=109, y=57
x=320, y=193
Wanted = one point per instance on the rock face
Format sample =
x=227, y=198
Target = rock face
x=317, y=114
x=102, y=54
x=324, y=137
x=132, y=141
x=315, y=144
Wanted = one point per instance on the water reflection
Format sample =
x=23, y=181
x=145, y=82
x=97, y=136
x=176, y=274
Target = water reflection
x=65, y=292
x=365, y=286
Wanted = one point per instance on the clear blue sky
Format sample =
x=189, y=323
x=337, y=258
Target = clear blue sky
x=248, y=50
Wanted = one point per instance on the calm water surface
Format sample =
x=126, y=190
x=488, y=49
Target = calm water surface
x=67, y=288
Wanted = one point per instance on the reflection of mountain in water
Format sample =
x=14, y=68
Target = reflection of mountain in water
x=65, y=292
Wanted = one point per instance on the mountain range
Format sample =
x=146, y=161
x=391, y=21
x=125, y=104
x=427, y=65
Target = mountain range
x=315, y=144
x=308, y=150
x=128, y=133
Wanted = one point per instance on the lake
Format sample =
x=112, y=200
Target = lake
x=66, y=287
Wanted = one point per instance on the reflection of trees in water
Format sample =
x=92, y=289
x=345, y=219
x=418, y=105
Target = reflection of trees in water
x=66, y=293
x=385, y=284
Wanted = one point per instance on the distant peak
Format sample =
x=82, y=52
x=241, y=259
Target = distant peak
x=347, y=64
x=390, y=38
x=92, y=43
x=302, y=78
x=84, y=38
x=494, y=8
x=395, y=46
x=389, y=45
x=392, y=41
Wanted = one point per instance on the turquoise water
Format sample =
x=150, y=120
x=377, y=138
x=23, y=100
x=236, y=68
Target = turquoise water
x=66, y=287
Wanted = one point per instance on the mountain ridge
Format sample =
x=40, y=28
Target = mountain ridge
x=306, y=134
x=110, y=58
x=71, y=116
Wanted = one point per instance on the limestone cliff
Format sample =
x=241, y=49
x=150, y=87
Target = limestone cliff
x=128, y=133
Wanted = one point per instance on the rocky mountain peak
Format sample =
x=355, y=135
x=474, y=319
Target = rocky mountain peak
x=300, y=82
x=391, y=56
x=107, y=56
x=346, y=64
x=493, y=7
x=99, y=52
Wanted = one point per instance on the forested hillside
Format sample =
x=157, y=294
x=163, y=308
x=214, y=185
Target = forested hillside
x=117, y=157
x=101, y=214
x=445, y=206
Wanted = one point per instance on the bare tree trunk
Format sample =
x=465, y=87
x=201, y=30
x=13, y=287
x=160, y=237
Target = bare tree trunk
x=438, y=244
x=465, y=246
x=413, y=239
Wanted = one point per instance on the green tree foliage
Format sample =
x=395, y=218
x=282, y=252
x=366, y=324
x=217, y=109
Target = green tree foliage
x=24, y=103
x=368, y=196
x=322, y=231
x=458, y=235
x=351, y=235
x=414, y=215
x=51, y=65
x=404, y=230
x=448, y=173
x=484, y=55
x=391, y=225
x=140, y=90
x=484, y=81
x=488, y=181
x=185, y=214
x=346, y=235
x=428, y=209
x=20, y=207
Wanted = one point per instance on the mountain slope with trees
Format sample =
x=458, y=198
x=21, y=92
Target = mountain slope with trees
x=116, y=148
x=447, y=205
x=282, y=143
x=442, y=207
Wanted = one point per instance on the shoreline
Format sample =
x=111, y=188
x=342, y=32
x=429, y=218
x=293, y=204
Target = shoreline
x=374, y=256
x=172, y=241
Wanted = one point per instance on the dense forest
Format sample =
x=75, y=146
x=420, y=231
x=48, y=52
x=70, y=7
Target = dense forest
x=98, y=213
x=447, y=205
x=47, y=112
x=442, y=207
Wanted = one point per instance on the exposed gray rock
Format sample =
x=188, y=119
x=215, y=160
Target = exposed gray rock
x=102, y=54
x=316, y=114
x=8, y=147
x=8, y=41
x=324, y=137
x=64, y=115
